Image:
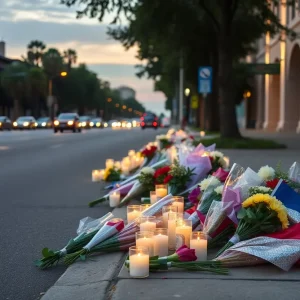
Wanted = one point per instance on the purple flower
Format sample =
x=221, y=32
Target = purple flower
x=195, y=195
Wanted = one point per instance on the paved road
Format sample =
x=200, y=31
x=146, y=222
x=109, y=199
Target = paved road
x=45, y=185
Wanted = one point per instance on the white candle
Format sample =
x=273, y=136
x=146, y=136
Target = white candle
x=200, y=247
x=227, y=161
x=139, y=265
x=125, y=170
x=161, y=245
x=148, y=226
x=179, y=205
x=161, y=192
x=172, y=230
x=153, y=197
x=114, y=199
x=183, y=234
x=109, y=163
x=118, y=165
x=147, y=242
x=202, y=133
x=96, y=175
x=132, y=215
x=131, y=153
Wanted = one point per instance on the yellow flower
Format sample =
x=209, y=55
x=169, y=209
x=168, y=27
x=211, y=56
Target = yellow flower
x=106, y=174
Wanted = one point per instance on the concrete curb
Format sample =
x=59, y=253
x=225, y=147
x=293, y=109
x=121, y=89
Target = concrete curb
x=91, y=279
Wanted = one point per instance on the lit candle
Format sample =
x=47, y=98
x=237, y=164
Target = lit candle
x=183, y=232
x=148, y=224
x=114, y=199
x=199, y=243
x=118, y=165
x=145, y=206
x=161, y=242
x=161, y=190
x=153, y=197
x=139, y=262
x=165, y=212
x=145, y=239
x=202, y=133
x=172, y=217
x=227, y=161
x=96, y=175
x=131, y=153
x=109, y=163
x=125, y=170
x=179, y=203
x=133, y=212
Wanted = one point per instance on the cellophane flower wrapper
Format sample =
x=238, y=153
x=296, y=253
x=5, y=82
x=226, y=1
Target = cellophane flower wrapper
x=281, y=253
x=294, y=172
x=201, y=148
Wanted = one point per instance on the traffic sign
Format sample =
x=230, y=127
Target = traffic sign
x=205, y=80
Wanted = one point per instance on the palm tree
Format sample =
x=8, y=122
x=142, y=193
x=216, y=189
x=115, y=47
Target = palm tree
x=35, y=50
x=52, y=62
x=70, y=57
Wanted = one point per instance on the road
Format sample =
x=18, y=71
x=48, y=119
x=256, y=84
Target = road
x=45, y=185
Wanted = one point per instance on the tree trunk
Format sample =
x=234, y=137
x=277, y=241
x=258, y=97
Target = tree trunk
x=228, y=120
x=16, y=113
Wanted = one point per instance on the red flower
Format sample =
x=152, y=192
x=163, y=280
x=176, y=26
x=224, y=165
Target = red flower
x=272, y=183
x=162, y=171
x=221, y=174
x=211, y=159
x=191, y=137
x=168, y=178
x=148, y=152
x=186, y=254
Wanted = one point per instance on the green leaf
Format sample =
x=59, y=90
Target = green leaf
x=45, y=252
x=242, y=213
x=83, y=257
x=250, y=214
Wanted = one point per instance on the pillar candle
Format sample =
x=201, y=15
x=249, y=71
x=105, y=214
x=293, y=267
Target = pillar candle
x=183, y=234
x=131, y=216
x=153, y=197
x=109, y=163
x=114, y=199
x=147, y=242
x=200, y=247
x=148, y=226
x=179, y=205
x=96, y=175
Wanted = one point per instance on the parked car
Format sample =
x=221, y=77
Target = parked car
x=5, y=123
x=25, y=122
x=149, y=120
x=67, y=121
x=97, y=123
x=44, y=122
x=85, y=122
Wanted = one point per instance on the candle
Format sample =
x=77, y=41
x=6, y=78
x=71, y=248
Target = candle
x=183, y=232
x=125, y=170
x=153, y=197
x=165, y=212
x=131, y=153
x=161, y=190
x=118, y=165
x=179, y=203
x=145, y=206
x=172, y=217
x=227, y=161
x=202, y=133
x=96, y=175
x=148, y=224
x=114, y=199
x=109, y=163
x=133, y=212
x=199, y=243
x=139, y=262
x=161, y=242
x=145, y=239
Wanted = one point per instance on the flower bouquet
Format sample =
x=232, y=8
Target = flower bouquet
x=148, y=153
x=259, y=214
x=221, y=174
x=112, y=174
x=87, y=229
x=164, y=142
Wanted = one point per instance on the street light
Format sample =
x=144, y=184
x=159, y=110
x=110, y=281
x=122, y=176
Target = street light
x=63, y=74
x=187, y=92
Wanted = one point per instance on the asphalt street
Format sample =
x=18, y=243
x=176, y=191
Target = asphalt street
x=45, y=185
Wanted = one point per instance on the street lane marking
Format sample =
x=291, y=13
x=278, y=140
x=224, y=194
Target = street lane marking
x=55, y=146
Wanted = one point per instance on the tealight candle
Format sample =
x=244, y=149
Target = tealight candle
x=139, y=262
x=148, y=224
x=96, y=175
x=161, y=242
x=109, y=163
x=172, y=218
x=133, y=212
x=165, y=211
x=153, y=197
x=114, y=199
x=131, y=153
x=161, y=190
x=202, y=133
x=199, y=243
x=179, y=202
x=183, y=232
x=145, y=239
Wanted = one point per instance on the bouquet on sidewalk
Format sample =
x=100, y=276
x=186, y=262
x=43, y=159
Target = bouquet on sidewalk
x=260, y=214
x=112, y=174
x=218, y=160
x=164, y=142
x=87, y=229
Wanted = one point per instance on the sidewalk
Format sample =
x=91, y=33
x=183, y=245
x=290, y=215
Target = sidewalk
x=104, y=277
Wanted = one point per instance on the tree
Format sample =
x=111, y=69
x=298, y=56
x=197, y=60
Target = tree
x=52, y=62
x=35, y=50
x=70, y=57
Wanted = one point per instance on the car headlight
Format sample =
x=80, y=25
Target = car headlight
x=79, y=124
x=83, y=124
x=56, y=123
x=105, y=124
x=114, y=124
x=70, y=123
x=98, y=124
x=44, y=124
x=91, y=123
x=15, y=124
x=0, y=124
x=25, y=124
x=35, y=124
x=128, y=125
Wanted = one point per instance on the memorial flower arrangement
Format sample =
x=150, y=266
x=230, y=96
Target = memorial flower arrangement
x=149, y=152
x=112, y=174
x=164, y=141
x=217, y=160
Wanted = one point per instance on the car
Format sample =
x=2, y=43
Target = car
x=67, y=121
x=85, y=122
x=165, y=122
x=149, y=120
x=25, y=122
x=44, y=122
x=114, y=123
x=5, y=123
x=97, y=123
x=136, y=122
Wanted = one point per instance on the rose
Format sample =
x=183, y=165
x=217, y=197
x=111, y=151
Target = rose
x=195, y=195
x=221, y=174
x=183, y=254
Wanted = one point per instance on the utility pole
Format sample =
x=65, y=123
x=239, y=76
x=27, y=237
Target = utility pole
x=181, y=88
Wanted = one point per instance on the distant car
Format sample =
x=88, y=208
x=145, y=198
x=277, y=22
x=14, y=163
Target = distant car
x=85, y=122
x=67, y=121
x=114, y=123
x=5, y=123
x=97, y=123
x=149, y=120
x=136, y=122
x=165, y=122
x=25, y=122
x=44, y=122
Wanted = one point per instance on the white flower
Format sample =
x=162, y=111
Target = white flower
x=162, y=137
x=266, y=173
x=219, y=189
x=216, y=154
x=148, y=170
x=212, y=180
x=263, y=189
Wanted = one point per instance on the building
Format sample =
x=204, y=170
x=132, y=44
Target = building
x=275, y=101
x=4, y=61
x=126, y=92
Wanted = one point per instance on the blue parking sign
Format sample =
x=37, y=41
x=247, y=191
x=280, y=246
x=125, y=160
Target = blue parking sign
x=205, y=80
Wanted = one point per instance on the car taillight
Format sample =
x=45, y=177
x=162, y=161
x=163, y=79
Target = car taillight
x=143, y=124
x=142, y=118
x=154, y=123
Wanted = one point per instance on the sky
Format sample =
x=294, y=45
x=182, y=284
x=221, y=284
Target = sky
x=56, y=25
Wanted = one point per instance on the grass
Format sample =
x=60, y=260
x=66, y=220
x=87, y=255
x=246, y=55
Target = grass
x=243, y=143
